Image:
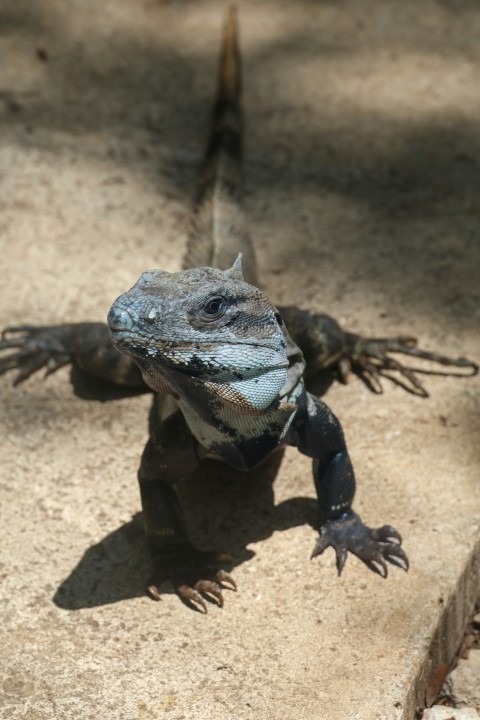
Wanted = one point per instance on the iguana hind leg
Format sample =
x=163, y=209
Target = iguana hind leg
x=325, y=345
x=369, y=359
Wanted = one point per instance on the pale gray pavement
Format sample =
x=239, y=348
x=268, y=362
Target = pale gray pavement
x=363, y=194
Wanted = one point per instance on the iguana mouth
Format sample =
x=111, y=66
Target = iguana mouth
x=128, y=338
x=189, y=358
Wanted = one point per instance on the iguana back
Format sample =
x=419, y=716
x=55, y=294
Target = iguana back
x=219, y=228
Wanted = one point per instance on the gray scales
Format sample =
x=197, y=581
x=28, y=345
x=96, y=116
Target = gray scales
x=210, y=341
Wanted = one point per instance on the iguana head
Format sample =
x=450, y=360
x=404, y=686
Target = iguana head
x=206, y=326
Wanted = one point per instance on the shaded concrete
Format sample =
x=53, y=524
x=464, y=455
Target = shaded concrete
x=363, y=176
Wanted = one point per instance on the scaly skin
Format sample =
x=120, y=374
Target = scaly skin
x=241, y=411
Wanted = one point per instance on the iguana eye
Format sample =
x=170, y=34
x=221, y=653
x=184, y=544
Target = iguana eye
x=215, y=307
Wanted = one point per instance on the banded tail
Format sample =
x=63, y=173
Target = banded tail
x=219, y=229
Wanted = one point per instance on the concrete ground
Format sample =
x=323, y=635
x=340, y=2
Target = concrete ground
x=363, y=173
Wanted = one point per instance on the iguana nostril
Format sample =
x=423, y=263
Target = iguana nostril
x=119, y=319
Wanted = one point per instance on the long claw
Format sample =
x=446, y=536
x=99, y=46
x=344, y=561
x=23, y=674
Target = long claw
x=18, y=329
x=323, y=542
x=397, y=556
x=391, y=364
x=152, y=586
x=223, y=577
x=397, y=563
x=153, y=592
x=377, y=566
x=207, y=587
x=387, y=534
x=370, y=376
x=190, y=595
x=341, y=558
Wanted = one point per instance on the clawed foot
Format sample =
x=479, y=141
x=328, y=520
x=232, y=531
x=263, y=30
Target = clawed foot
x=375, y=547
x=34, y=348
x=195, y=576
x=368, y=358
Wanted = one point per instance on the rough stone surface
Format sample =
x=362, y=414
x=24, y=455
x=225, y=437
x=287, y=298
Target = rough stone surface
x=464, y=681
x=363, y=174
x=440, y=712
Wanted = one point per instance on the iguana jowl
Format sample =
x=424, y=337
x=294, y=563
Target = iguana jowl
x=210, y=339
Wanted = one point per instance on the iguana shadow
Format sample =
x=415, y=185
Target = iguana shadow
x=225, y=510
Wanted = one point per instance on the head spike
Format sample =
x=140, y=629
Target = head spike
x=236, y=270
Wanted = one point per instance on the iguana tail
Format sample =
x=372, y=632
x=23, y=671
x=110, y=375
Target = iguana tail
x=219, y=229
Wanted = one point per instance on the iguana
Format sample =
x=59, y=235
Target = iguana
x=209, y=339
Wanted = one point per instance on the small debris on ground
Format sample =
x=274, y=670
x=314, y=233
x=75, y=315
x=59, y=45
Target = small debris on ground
x=441, y=712
x=458, y=693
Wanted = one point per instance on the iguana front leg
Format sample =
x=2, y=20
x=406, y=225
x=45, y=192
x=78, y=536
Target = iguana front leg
x=171, y=453
x=87, y=346
x=325, y=345
x=318, y=434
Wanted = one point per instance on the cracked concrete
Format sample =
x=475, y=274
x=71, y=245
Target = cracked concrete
x=362, y=192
